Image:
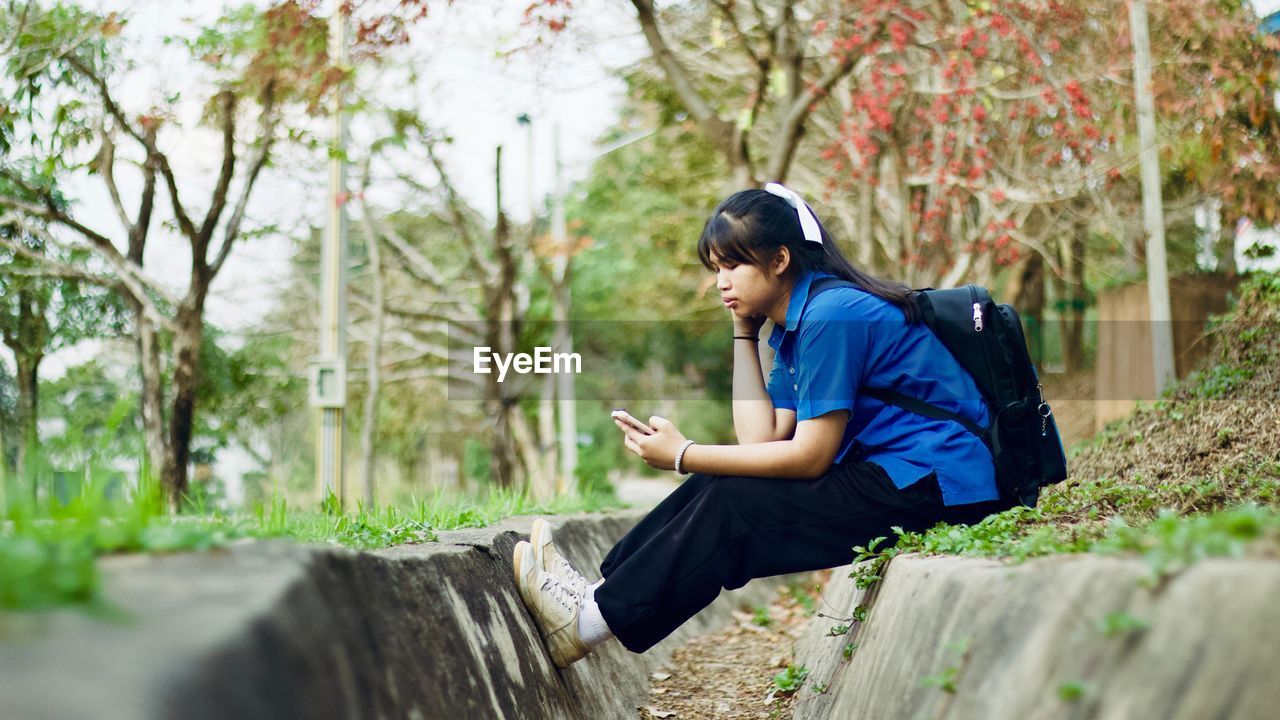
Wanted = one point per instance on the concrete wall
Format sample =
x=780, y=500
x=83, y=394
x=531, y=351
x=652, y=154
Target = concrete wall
x=276, y=630
x=1017, y=637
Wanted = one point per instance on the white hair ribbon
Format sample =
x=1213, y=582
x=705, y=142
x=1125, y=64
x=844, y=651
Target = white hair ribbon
x=808, y=221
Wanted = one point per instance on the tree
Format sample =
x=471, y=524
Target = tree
x=63, y=64
x=39, y=316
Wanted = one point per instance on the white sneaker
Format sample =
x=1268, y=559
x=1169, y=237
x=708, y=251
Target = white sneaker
x=554, y=606
x=550, y=559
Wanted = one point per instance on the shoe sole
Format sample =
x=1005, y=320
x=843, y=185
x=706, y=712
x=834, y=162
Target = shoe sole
x=536, y=533
x=517, y=565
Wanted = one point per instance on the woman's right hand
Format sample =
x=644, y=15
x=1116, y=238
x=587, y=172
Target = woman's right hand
x=748, y=325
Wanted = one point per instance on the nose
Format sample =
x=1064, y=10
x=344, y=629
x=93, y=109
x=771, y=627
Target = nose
x=722, y=279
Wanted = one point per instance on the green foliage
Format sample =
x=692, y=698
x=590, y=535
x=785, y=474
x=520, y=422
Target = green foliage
x=1071, y=691
x=838, y=630
x=802, y=597
x=860, y=613
x=848, y=651
x=48, y=558
x=475, y=461
x=869, y=562
x=1120, y=623
x=761, y=617
x=789, y=680
x=945, y=679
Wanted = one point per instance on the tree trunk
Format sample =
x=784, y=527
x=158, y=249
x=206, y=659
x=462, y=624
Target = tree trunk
x=1225, y=248
x=28, y=420
x=374, y=383
x=147, y=343
x=544, y=481
x=501, y=334
x=1073, y=308
x=1026, y=294
x=186, y=373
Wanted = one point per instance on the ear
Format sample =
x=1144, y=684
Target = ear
x=781, y=261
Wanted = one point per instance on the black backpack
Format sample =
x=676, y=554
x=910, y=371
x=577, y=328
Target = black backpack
x=987, y=340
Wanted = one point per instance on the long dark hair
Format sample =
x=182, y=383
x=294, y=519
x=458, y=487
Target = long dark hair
x=750, y=225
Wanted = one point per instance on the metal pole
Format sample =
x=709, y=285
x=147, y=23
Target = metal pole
x=1152, y=206
x=565, y=380
x=329, y=374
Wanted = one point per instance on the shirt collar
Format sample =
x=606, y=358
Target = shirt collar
x=795, y=306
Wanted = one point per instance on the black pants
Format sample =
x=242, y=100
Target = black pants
x=717, y=532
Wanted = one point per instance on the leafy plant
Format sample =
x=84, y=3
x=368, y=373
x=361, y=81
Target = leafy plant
x=860, y=613
x=869, y=562
x=790, y=679
x=848, y=650
x=838, y=630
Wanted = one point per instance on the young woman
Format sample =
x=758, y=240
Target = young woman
x=819, y=467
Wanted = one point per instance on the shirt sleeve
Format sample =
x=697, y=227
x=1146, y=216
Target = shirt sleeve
x=832, y=357
x=779, y=387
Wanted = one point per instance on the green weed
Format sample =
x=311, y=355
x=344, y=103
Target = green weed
x=790, y=679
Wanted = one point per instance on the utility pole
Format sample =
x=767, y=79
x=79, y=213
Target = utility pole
x=329, y=369
x=565, y=386
x=1152, y=206
x=544, y=477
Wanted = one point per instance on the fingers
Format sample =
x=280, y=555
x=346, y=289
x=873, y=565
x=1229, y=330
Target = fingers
x=630, y=436
x=631, y=445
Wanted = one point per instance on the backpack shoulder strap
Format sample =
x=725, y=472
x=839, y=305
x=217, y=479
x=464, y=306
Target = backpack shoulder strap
x=893, y=397
x=920, y=407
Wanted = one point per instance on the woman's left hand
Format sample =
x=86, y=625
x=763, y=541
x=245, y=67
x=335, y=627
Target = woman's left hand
x=659, y=449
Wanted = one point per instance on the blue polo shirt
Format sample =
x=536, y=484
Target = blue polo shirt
x=845, y=338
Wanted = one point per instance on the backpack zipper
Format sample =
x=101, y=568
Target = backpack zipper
x=992, y=411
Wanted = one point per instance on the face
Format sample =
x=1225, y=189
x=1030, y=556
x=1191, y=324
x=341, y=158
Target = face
x=746, y=289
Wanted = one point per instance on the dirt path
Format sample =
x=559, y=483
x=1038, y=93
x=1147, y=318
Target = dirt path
x=730, y=674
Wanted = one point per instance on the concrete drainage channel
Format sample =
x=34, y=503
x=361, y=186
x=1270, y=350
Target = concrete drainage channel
x=277, y=630
x=1063, y=637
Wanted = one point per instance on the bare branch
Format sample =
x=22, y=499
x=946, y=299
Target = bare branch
x=106, y=165
x=227, y=106
x=126, y=282
x=147, y=141
x=266, y=137
x=486, y=268
x=715, y=128
x=787, y=137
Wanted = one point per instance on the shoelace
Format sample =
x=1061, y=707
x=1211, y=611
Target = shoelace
x=560, y=592
x=575, y=579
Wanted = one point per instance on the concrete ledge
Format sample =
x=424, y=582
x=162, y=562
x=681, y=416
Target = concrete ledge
x=1014, y=636
x=277, y=630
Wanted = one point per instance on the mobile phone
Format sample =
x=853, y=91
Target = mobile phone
x=625, y=417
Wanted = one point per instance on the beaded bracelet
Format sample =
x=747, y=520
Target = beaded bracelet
x=680, y=456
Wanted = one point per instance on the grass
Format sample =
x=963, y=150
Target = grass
x=49, y=558
x=1195, y=474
